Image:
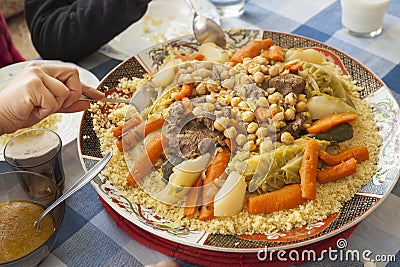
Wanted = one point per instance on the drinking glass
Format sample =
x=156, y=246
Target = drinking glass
x=229, y=8
x=363, y=18
x=39, y=151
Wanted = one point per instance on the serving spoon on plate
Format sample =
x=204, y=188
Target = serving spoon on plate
x=81, y=182
x=205, y=29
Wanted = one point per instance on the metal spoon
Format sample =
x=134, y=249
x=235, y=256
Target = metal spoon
x=206, y=30
x=81, y=182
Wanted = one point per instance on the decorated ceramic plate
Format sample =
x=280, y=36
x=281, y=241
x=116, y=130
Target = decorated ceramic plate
x=68, y=126
x=164, y=20
x=367, y=198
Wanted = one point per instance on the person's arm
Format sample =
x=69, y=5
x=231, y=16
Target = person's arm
x=40, y=90
x=72, y=29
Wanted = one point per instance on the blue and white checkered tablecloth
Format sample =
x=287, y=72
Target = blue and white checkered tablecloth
x=89, y=237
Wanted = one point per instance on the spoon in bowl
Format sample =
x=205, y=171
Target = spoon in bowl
x=206, y=30
x=81, y=182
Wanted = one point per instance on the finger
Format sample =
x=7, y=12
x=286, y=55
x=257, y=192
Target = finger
x=83, y=105
x=77, y=106
x=43, y=101
x=69, y=76
x=92, y=92
x=60, y=92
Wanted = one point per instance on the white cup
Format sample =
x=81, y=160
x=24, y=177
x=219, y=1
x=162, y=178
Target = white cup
x=363, y=18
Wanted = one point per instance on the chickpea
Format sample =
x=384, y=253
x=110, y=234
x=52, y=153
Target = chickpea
x=302, y=97
x=210, y=99
x=235, y=101
x=208, y=106
x=252, y=127
x=252, y=137
x=289, y=114
x=248, y=116
x=264, y=69
x=230, y=132
x=280, y=116
x=212, y=87
x=266, y=146
x=197, y=111
x=262, y=102
x=249, y=146
x=275, y=98
x=220, y=124
x=253, y=68
x=274, y=71
x=228, y=83
x=260, y=60
x=271, y=90
x=258, y=141
x=301, y=106
x=240, y=139
x=274, y=109
x=287, y=138
x=261, y=132
x=243, y=105
x=291, y=99
x=258, y=77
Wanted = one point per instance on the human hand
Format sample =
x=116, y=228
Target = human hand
x=40, y=90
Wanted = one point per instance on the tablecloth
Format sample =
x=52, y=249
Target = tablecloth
x=90, y=237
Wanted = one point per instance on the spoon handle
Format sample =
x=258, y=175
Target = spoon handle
x=192, y=7
x=81, y=182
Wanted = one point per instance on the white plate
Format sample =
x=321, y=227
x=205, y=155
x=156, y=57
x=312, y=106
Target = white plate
x=69, y=124
x=164, y=20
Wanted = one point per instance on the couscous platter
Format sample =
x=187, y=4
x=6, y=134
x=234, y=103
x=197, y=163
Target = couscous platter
x=263, y=130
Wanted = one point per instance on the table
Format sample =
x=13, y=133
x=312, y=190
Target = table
x=89, y=237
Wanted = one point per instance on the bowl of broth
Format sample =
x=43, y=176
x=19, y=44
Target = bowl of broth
x=23, y=197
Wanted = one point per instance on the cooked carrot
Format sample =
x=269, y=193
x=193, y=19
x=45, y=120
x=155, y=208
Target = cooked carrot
x=341, y=170
x=192, y=199
x=251, y=50
x=153, y=125
x=131, y=138
x=359, y=153
x=126, y=126
x=308, y=170
x=293, y=67
x=186, y=91
x=214, y=170
x=194, y=56
x=144, y=163
x=285, y=198
x=276, y=53
x=330, y=121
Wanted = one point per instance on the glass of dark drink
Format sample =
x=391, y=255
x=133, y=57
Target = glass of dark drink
x=39, y=151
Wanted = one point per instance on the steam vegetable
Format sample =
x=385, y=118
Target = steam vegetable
x=230, y=198
x=336, y=172
x=213, y=53
x=183, y=178
x=323, y=105
x=359, y=153
x=251, y=50
x=214, y=171
x=145, y=161
x=330, y=121
x=308, y=170
x=285, y=198
x=309, y=55
x=193, y=198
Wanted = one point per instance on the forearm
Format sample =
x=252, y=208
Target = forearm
x=75, y=30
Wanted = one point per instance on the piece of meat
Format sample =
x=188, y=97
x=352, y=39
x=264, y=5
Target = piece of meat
x=287, y=83
x=295, y=128
x=194, y=133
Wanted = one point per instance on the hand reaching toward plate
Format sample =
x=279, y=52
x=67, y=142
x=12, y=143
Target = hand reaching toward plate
x=40, y=90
